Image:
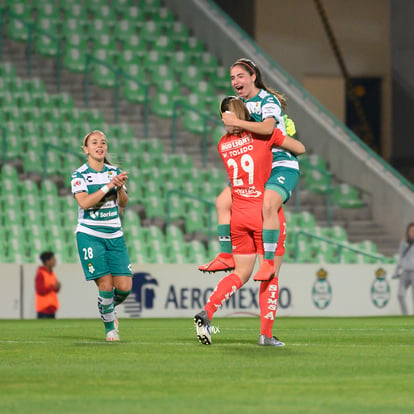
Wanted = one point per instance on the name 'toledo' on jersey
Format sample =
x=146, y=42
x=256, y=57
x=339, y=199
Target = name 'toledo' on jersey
x=237, y=146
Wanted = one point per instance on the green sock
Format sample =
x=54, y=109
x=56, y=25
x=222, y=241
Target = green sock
x=120, y=296
x=106, y=309
x=270, y=238
x=223, y=231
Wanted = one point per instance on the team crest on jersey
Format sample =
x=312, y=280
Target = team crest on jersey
x=111, y=174
x=91, y=269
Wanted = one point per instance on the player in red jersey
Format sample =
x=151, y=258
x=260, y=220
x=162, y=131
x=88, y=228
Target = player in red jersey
x=248, y=161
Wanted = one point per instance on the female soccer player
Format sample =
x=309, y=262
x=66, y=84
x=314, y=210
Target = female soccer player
x=248, y=161
x=266, y=112
x=99, y=188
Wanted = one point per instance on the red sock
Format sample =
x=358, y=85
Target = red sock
x=224, y=289
x=268, y=296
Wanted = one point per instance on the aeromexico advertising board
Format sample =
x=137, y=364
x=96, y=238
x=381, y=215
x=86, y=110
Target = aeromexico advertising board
x=181, y=291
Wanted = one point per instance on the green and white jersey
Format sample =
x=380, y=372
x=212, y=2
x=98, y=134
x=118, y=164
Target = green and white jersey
x=266, y=105
x=101, y=220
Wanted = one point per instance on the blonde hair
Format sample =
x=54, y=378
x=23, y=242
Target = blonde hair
x=239, y=109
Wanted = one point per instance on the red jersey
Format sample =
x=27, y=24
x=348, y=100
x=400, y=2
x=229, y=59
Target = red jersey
x=248, y=161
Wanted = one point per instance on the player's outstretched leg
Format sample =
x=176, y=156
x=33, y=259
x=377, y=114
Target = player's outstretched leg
x=222, y=262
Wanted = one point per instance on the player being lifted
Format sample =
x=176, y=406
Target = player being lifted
x=266, y=108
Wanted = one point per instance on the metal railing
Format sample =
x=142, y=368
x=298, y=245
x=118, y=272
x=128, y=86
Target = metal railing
x=341, y=246
x=3, y=144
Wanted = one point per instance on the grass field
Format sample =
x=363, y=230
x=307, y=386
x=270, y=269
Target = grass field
x=330, y=365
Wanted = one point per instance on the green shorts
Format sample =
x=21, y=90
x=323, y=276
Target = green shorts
x=283, y=181
x=100, y=257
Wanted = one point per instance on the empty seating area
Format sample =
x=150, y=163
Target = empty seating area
x=140, y=41
x=143, y=40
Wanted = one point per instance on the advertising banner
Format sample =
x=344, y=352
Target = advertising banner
x=174, y=291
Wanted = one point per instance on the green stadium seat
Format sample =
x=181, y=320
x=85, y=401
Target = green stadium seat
x=154, y=58
x=7, y=70
x=190, y=76
x=179, y=61
x=339, y=233
x=163, y=44
x=216, y=134
x=162, y=105
x=179, y=32
x=137, y=45
x=131, y=12
x=46, y=45
x=103, y=76
x=194, y=122
x=17, y=30
x=347, y=196
x=102, y=11
x=134, y=92
x=75, y=10
x=74, y=59
x=317, y=181
x=70, y=26
x=150, y=31
x=135, y=70
x=193, y=45
x=123, y=29
x=208, y=63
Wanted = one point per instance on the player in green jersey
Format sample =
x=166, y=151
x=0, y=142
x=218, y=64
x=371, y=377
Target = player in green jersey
x=266, y=108
x=99, y=188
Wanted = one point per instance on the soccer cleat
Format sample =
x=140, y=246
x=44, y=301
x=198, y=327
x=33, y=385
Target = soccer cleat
x=222, y=262
x=266, y=341
x=265, y=272
x=202, y=324
x=112, y=336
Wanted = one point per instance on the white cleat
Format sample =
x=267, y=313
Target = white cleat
x=112, y=336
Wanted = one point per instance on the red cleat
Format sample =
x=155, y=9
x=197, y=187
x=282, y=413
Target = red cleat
x=265, y=272
x=222, y=262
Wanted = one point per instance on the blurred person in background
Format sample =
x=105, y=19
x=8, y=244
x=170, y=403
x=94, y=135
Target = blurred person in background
x=404, y=270
x=47, y=287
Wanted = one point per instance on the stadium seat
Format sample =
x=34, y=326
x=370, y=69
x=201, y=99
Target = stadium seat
x=74, y=59
x=135, y=92
x=162, y=105
x=344, y=195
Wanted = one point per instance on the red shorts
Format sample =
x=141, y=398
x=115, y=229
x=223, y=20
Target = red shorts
x=246, y=229
x=246, y=232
